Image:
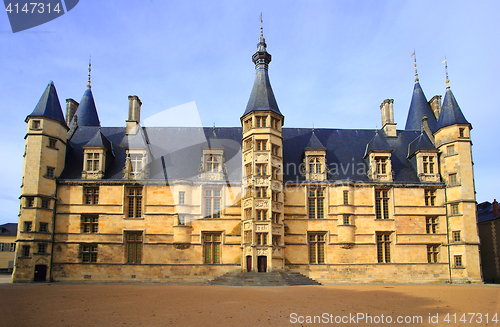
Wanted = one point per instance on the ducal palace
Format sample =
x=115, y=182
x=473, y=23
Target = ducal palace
x=188, y=204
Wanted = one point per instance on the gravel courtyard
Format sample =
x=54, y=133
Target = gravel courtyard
x=190, y=305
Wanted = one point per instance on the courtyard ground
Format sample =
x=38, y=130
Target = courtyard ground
x=191, y=305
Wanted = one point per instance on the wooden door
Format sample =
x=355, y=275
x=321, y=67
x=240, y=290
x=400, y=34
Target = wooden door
x=262, y=263
x=249, y=263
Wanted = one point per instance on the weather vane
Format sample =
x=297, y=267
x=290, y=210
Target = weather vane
x=415, y=61
x=445, y=62
x=90, y=64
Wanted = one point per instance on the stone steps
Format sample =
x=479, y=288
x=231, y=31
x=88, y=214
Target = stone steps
x=263, y=279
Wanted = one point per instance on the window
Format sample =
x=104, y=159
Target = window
x=211, y=247
x=134, y=201
x=36, y=124
x=261, y=121
x=317, y=248
x=314, y=166
x=431, y=224
x=90, y=224
x=44, y=227
x=248, y=169
x=276, y=217
x=212, y=203
x=458, y=261
x=316, y=199
x=261, y=169
x=261, y=145
x=456, y=236
x=450, y=150
x=261, y=192
x=134, y=247
x=275, y=196
x=213, y=164
x=248, y=236
x=347, y=220
x=12, y=247
x=248, y=213
x=430, y=197
x=384, y=247
x=275, y=150
x=88, y=253
x=428, y=165
x=30, y=202
x=276, y=240
x=276, y=172
x=248, y=144
x=453, y=179
x=50, y=172
x=382, y=204
x=45, y=204
x=346, y=197
x=275, y=123
x=261, y=214
x=52, y=143
x=454, y=209
x=181, y=197
x=25, y=251
x=27, y=226
x=91, y=195
x=261, y=238
x=136, y=160
x=182, y=220
x=461, y=132
x=93, y=161
x=248, y=124
x=432, y=253
x=42, y=248
x=381, y=165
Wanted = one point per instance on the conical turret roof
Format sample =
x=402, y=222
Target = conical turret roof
x=418, y=108
x=49, y=106
x=314, y=143
x=450, y=112
x=87, y=112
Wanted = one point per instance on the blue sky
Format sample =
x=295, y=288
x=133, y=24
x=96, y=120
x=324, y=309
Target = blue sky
x=333, y=63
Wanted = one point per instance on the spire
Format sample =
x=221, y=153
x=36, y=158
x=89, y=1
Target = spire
x=90, y=59
x=49, y=106
x=419, y=106
x=415, y=63
x=451, y=113
x=446, y=71
x=314, y=143
x=262, y=96
x=86, y=111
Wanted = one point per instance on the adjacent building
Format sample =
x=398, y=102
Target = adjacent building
x=164, y=204
x=488, y=225
x=8, y=235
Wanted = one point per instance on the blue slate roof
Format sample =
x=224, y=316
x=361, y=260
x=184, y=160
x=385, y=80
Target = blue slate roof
x=262, y=96
x=485, y=212
x=177, y=151
x=49, y=106
x=422, y=142
x=377, y=143
x=450, y=112
x=9, y=229
x=314, y=143
x=418, y=108
x=86, y=111
x=99, y=140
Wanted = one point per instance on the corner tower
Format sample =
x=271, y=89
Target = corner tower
x=452, y=138
x=45, y=151
x=262, y=206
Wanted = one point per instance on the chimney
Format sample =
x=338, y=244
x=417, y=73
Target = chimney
x=71, y=106
x=495, y=208
x=134, y=114
x=427, y=130
x=435, y=104
x=387, y=111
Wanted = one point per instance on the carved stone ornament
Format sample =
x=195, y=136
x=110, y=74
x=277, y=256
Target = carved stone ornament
x=261, y=204
x=247, y=203
x=261, y=228
x=261, y=181
x=262, y=251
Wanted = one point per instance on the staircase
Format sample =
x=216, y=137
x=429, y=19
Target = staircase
x=263, y=279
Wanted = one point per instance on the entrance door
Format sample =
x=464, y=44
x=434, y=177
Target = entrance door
x=249, y=263
x=40, y=273
x=262, y=263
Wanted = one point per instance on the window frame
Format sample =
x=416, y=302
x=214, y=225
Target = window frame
x=450, y=150
x=453, y=179
x=316, y=202
x=28, y=226
x=89, y=224
x=52, y=143
x=182, y=197
x=91, y=195
x=458, y=262
x=262, y=238
x=212, y=248
x=50, y=172
x=261, y=145
x=25, y=251
x=134, y=247
x=88, y=253
x=381, y=164
x=212, y=202
x=92, y=159
x=382, y=210
x=43, y=227
x=456, y=236
x=134, y=202
x=431, y=225
x=430, y=197
x=42, y=248
x=433, y=253
x=454, y=210
x=384, y=244
x=317, y=247
x=346, y=220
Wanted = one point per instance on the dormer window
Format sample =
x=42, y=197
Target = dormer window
x=427, y=167
x=314, y=166
x=136, y=164
x=93, y=162
x=212, y=165
x=381, y=165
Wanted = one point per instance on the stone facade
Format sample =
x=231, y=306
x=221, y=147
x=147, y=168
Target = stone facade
x=338, y=206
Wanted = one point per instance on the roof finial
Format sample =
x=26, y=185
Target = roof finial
x=415, y=61
x=313, y=129
x=446, y=70
x=261, y=29
x=90, y=64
